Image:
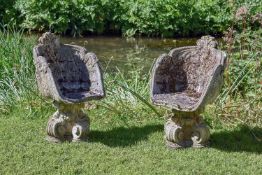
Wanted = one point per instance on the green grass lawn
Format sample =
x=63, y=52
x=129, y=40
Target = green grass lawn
x=123, y=148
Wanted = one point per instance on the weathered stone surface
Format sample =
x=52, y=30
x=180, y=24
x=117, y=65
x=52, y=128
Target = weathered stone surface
x=70, y=76
x=69, y=122
x=182, y=132
x=185, y=80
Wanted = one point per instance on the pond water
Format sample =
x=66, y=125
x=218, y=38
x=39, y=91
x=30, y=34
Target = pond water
x=121, y=52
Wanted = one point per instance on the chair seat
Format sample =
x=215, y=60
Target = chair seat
x=80, y=95
x=75, y=86
x=177, y=100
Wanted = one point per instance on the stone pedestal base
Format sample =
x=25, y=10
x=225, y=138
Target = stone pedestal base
x=68, y=123
x=183, y=132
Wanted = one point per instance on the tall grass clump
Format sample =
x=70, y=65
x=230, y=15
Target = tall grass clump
x=241, y=99
x=17, y=82
x=127, y=97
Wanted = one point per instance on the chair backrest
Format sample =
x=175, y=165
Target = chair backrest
x=192, y=67
x=72, y=69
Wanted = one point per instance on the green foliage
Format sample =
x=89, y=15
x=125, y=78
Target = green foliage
x=71, y=17
x=244, y=49
x=165, y=18
x=171, y=17
x=8, y=14
x=241, y=97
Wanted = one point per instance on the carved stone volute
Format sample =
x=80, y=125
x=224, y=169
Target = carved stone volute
x=207, y=42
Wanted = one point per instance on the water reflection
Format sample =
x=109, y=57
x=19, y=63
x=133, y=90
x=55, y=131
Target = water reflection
x=121, y=52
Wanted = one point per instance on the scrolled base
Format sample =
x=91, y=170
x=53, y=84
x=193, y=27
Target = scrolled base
x=68, y=123
x=200, y=136
x=184, y=132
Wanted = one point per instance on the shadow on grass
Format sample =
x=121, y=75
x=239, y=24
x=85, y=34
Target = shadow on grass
x=242, y=139
x=122, y=137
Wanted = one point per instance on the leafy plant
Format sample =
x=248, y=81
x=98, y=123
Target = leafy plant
x=164, y=18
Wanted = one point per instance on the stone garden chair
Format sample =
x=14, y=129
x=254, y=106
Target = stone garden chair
x=185, y=80
x=70, y=75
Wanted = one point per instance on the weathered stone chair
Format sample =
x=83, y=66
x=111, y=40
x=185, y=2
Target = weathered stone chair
x=70, y=76
x=185, y=80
